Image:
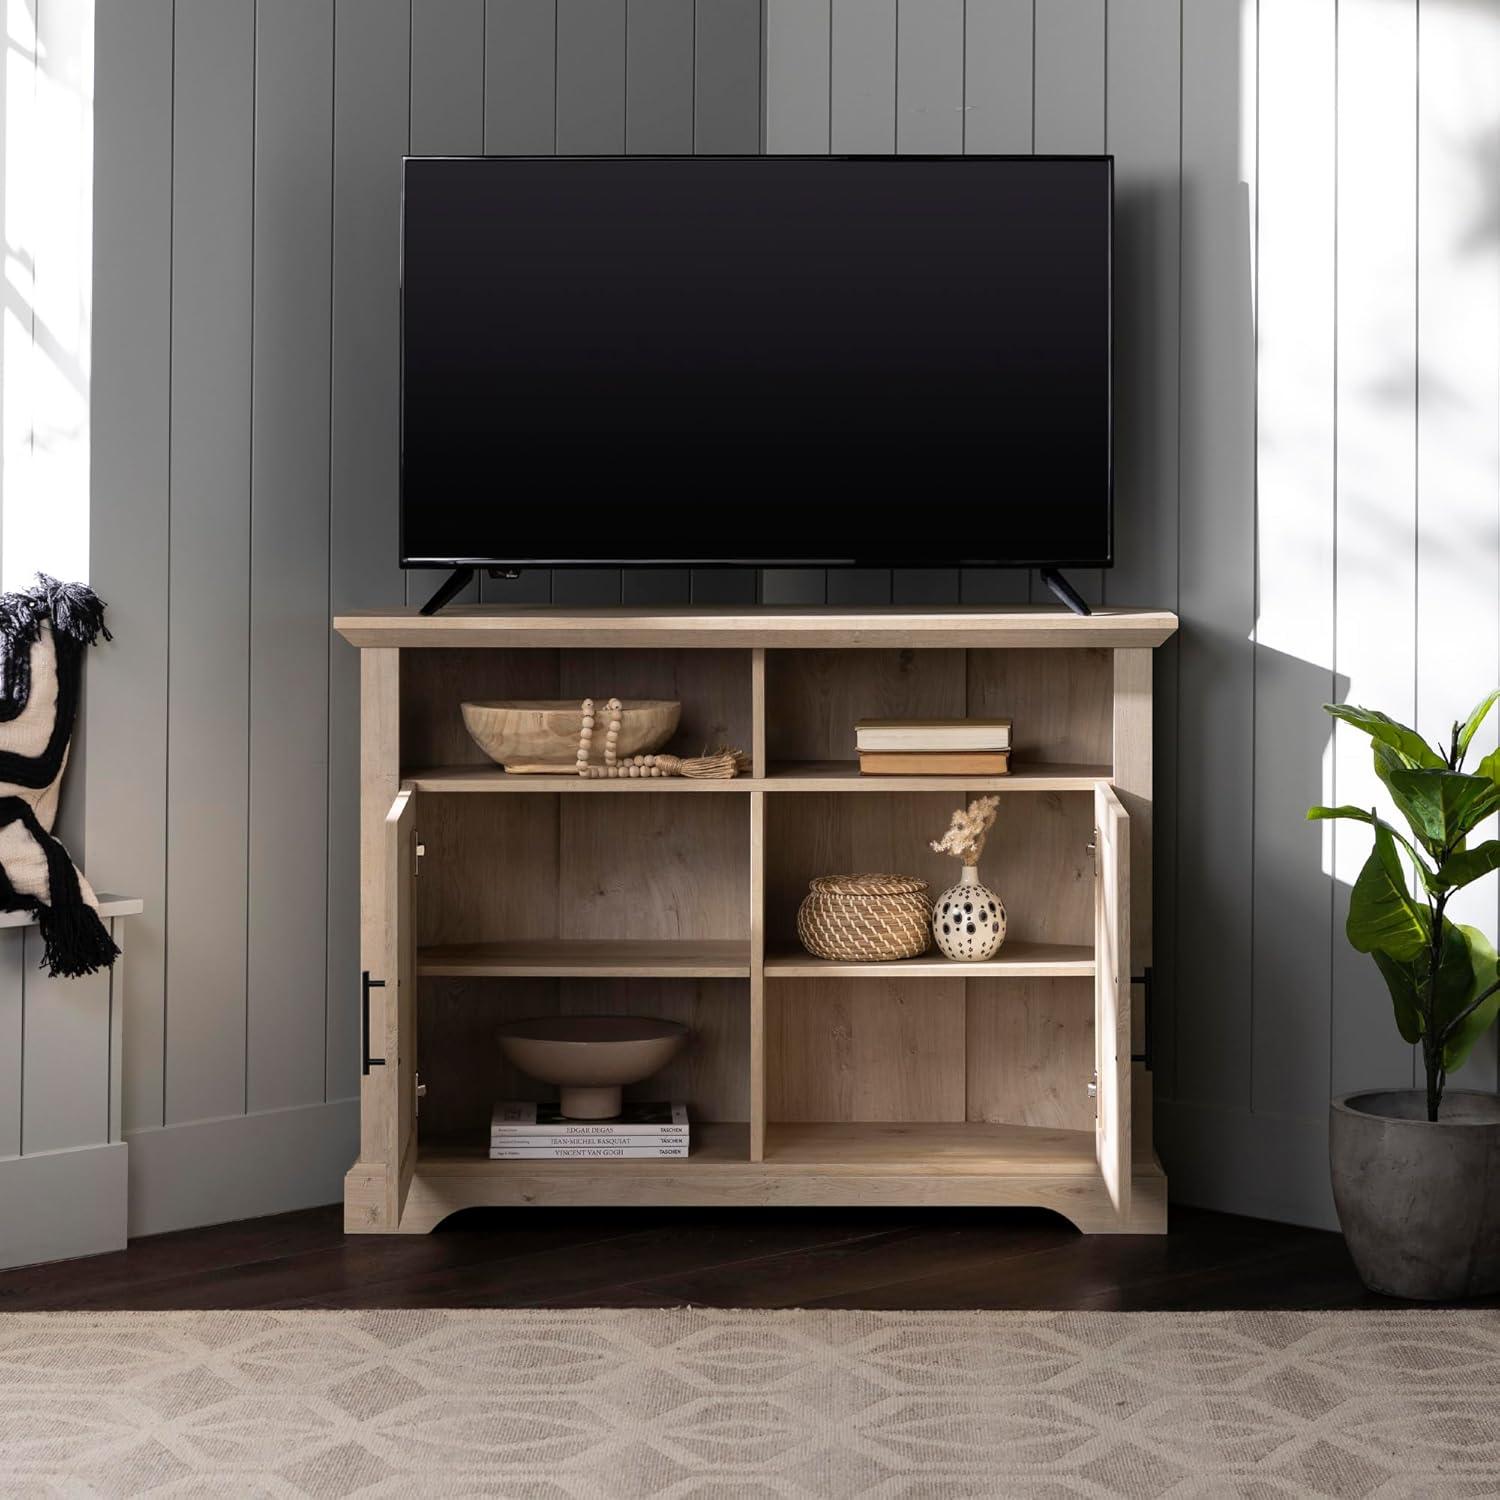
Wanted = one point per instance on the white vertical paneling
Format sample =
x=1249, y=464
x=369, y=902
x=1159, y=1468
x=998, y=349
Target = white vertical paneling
x=652, y=586
x=1294, y=550
x=520, y=77
x=997, y=76
x=1068, y=83
x=726, y=77
x=848, y=586
x=287, y=977
x=1375, y=627
x=797, y=76
x=724, y=586
x=659, y=77
x=794, y=585
x=12, y=942
x=586, y=586
x=370, y=123
x=1458, y=411
x=20, y=207
x=994, y=586
x=65, y=1057
x=1069, y=89
x=1217, y=538
x=447, y=77
x=52, y=534
x=862, y=77
x=208, y=627
x=130, y=408
x=590, y=77
x=930, y=77
x=918, y=586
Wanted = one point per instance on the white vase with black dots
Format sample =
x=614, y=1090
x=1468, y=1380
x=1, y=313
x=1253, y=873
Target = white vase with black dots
x=968, y=920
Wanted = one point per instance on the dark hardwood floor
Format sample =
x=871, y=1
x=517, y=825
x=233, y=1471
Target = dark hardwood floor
x=719, y=1258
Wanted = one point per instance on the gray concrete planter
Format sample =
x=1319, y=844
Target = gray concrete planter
x=1419, y=1202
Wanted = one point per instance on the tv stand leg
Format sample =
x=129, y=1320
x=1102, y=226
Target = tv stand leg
x=1065, y=591
x=456, y=580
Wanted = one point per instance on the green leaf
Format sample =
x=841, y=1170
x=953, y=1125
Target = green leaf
x=1459, y=869
x=1382, y=915
x=1368, y=815
x=1401, y=980
x=1475, y=719
x=1455, y=976
x=1482, y=970
x=1489, y=767
x=1385, y=730
x=1443, y=806
x=1389, y=764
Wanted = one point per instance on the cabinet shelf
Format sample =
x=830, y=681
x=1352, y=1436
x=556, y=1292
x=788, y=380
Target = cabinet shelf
x=844, y=776
x=725, y=958
x=785, y=776
x=606, y=958
x=484, y=779
x=1016, y=960
x=941, y=1148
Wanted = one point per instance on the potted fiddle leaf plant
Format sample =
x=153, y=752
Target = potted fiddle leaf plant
x=1416, y=1172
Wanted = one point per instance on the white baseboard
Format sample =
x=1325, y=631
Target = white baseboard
x=240, y=1166
x=1267, y=1166
x=60, y=1204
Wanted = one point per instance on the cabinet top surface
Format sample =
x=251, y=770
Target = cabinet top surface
x=706, y=626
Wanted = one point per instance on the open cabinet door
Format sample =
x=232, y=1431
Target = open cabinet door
x=388, y=1021
x=402, y=850
x=1112, y=993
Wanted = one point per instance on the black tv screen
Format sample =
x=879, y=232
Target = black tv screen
x=772, y=360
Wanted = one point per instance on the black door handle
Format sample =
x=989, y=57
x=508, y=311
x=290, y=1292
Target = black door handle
x=366, y=985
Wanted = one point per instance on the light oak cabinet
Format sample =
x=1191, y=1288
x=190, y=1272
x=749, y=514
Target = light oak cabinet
x=485, y=897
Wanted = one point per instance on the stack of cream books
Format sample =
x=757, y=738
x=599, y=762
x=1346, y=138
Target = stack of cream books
x=538, y=1132
x=933, y=747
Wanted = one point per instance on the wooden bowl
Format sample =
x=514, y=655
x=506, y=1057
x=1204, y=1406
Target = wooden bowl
x=543, y=732
x=590, y=1058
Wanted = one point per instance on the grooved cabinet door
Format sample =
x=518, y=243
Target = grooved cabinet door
x=388, y=1116
x=1112, y=993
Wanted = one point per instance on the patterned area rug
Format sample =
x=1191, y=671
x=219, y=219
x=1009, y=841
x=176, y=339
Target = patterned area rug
x=751, y=1406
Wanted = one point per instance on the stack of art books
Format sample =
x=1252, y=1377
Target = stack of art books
x=539, y=1132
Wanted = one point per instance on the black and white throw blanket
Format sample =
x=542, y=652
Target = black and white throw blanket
x=43, y=631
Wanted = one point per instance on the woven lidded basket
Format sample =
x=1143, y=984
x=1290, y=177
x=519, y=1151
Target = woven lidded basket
x=864, y=918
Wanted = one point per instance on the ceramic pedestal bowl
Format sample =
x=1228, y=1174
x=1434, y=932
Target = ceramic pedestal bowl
x=541, y=734
x=590, y=1058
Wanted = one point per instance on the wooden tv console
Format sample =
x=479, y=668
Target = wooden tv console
x=485, y=897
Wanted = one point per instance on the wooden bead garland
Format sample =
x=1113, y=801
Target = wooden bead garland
x=720, y=766
x=634, y=765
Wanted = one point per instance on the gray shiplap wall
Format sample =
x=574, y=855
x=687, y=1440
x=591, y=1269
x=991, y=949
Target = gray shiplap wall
x=1308, y=469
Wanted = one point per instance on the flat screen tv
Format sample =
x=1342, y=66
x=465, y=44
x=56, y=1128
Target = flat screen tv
x=820, y=361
